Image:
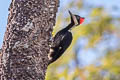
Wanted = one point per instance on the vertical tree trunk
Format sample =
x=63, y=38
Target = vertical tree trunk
x=26, y=40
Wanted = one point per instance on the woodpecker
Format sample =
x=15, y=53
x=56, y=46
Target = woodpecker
x=63, y=38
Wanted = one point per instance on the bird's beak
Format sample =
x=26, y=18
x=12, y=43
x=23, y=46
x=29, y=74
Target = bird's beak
x=73, y=18
x=71, y=14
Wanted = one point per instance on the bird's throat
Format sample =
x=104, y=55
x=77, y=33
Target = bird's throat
x=70, y=26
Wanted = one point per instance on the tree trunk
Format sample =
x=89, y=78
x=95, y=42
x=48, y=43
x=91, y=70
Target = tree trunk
x=26, y=41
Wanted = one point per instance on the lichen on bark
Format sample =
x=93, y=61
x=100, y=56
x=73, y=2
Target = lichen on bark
x=26, y=41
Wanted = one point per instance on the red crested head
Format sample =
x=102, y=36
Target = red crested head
x=82, y=20
x=76, y=19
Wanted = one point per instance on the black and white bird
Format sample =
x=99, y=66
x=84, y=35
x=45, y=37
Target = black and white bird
x=63, y=38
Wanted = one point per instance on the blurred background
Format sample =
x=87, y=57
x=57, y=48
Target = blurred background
x=95, y=50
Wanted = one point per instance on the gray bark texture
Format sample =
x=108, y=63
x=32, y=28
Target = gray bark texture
x=26, y=41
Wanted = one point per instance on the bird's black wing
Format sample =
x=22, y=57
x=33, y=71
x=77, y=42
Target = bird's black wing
x=63, y=45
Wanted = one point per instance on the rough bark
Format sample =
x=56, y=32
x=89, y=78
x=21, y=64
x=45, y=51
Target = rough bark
x=26, y=41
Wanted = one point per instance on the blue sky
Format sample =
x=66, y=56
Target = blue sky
x=4, y=4
x=109, y=5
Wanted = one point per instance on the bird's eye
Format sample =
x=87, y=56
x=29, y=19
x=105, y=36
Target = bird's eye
x=77, y=17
